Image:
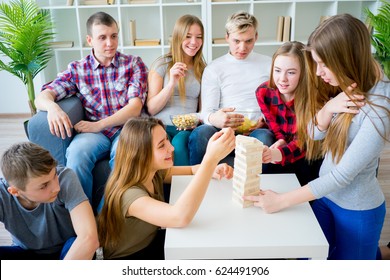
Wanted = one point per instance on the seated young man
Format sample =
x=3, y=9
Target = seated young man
x=44, y=208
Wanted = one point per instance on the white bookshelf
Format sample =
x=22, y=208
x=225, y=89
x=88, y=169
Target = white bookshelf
x=156, y=20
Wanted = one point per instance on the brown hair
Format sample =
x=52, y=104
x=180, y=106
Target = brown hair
x=132, y=160
x=176, y=53
x=240, y=22
x=100, y=18
x=343, y=44
x=24, y=161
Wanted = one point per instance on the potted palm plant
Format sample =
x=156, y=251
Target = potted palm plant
x=380, y=38
x=25, y=33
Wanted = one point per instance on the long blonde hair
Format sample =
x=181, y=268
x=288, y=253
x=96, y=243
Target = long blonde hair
x=132, y=160
x=176, y=53
x=343, y=44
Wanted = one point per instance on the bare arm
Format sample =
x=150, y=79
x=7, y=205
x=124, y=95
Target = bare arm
x=271, y=201
x=84, y=225
x=182, y=212
x=158, y=96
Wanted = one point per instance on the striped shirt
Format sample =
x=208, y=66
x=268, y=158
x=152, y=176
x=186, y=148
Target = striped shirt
x=102, y=90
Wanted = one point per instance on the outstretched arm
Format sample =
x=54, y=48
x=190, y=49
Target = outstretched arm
x=182, y=212
x=84, y=225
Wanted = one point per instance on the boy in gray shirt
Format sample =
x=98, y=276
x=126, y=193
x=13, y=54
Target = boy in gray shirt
x=44, y=208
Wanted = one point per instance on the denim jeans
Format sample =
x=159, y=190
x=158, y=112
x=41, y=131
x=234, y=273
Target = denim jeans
x=351, y=234
x=264, y=135
x=197, y=144
x=18, y=253
x=84, y=151
x=179, y=140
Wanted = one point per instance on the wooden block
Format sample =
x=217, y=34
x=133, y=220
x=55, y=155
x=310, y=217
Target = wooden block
x=241, y=202
x=249, y=161
x=246, y=191
x=246, y=180
x=241, y=169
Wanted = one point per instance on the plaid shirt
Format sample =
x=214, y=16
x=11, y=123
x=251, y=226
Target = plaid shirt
x=281, y=120
x=102, y=90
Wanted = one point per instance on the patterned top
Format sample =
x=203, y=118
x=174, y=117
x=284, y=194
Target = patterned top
x=102, y=90
x=281, y=120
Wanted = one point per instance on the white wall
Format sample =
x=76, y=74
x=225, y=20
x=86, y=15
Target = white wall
x=13, y=94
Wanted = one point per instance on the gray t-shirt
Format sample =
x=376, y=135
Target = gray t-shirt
x=175, y=105
x=352, y=183
x=46, y=228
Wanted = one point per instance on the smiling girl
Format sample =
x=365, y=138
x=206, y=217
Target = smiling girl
x=174, y=81
x=276, y=100
x=134, y=210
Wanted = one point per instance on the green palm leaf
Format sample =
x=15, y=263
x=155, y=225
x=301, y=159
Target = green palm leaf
x=380, y=38
x=25, y=33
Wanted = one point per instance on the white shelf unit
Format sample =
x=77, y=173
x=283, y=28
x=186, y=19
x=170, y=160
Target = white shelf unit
x=153, y=21
x=156, y=20
x=305, y=17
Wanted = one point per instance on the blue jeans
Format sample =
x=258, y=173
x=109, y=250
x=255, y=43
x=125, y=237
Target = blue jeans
x=197, y=144
x=18, y=253
x=351, y=234
x=179, y=140
x=84, y=151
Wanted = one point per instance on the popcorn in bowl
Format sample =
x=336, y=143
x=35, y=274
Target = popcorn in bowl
x=251, y=118
x=185, y=121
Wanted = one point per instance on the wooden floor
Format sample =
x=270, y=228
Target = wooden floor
x=12, y=131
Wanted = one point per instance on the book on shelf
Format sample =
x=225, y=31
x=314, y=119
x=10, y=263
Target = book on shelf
x=286, y=29
x=132, y=31
x=93, y=2
x=224, y=1
x=323, y=18
x=69, y=2
x=110, y=2
x=219, y=41
x=279, y=28
x=141, y=1
x=147, y=42
x=61, y=44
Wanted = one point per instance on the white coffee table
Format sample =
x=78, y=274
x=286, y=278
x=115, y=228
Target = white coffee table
x=223, y=230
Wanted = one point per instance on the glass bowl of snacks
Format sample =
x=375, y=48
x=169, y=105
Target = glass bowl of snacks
x=251, y=119
x=185, y=121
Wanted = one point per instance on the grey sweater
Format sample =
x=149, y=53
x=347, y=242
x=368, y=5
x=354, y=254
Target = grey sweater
x=352, y=183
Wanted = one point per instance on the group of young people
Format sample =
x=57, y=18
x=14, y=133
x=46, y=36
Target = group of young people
x=324, y=104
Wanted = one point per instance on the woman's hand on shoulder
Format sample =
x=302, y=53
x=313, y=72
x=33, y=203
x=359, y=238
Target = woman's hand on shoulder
x=223, y=170
x=346, y=102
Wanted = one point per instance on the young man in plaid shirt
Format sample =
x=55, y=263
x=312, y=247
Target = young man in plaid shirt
x=112, y=88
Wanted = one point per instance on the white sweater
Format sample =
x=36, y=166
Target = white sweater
x=229, y=82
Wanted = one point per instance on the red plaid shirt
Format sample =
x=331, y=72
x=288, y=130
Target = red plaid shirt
x=281, y=120
x=102, y=90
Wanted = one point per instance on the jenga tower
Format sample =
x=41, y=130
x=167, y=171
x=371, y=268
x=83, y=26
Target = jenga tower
x=247, y=167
